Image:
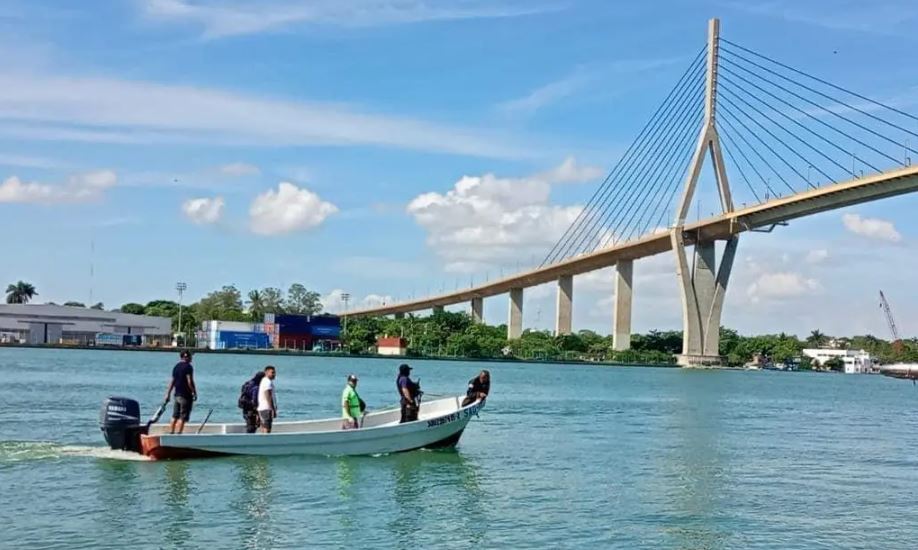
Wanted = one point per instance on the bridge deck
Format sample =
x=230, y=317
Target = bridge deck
x=828, y=197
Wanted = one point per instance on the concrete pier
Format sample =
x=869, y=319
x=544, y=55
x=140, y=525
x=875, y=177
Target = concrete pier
x=621, y=323
x=515, y=317
x=564, y=307
x=478, y=310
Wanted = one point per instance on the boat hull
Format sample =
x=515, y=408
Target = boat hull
x=440, y=426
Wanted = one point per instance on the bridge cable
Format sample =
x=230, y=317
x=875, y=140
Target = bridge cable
x=587, y=227
x=833, y=128
x=690, y=135
x=827, y=83
x=830, y=111
x=652, y=124
x=732, y=128
x=639, y=189
x=728, y=146
x=675, y=177
x=670, y=204
x=587, y=231
x=728, y=80
x=653, y=177
x=731, y=93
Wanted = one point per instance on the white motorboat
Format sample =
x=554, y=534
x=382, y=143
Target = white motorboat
x=440, y=424
x=908, y=371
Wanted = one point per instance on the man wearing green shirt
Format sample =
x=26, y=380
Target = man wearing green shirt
x=350, y=404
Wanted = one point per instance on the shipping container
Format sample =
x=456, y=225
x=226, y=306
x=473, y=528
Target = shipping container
x=228, y=339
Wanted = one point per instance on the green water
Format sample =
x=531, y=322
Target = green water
x=562, y=457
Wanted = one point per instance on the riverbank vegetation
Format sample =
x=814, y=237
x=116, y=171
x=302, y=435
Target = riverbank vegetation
x=447, y=334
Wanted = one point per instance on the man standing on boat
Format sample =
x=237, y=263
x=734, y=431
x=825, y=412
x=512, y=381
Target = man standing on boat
x=409, y=393
x=267, y=405
x=479, y=387
x=185, y=392
x=350, y=405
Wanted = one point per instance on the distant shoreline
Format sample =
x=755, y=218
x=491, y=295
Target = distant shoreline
x=296, y=353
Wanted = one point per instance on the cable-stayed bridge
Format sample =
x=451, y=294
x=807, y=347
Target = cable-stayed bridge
x=775, y=142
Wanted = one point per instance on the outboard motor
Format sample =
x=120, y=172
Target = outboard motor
x=120, y=423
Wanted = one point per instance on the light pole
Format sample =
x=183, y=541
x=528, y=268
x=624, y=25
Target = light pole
x=344, y=298
x=180, y=287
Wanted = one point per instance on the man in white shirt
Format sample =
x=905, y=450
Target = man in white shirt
x=267, y=405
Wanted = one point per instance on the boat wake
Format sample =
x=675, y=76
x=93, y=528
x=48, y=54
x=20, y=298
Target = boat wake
x=12, y=452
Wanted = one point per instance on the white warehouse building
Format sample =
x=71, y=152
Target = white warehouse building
x=53, y=324
x=856, y=361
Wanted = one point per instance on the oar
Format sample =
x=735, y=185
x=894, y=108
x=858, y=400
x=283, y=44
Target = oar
x=159, y=412
x=206, y=418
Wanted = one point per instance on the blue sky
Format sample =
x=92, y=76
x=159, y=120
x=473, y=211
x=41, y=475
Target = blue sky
x=266, y=143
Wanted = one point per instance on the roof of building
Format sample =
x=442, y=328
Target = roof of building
x=79, y=319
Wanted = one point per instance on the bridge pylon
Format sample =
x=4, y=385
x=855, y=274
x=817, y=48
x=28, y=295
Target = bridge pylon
x=703, y=287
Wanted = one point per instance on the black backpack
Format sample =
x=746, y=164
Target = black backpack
x=245, y=396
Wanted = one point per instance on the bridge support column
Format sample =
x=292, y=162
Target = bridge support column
x=564, y=309
x=438, y=309
x=702, y=291
x=515, y=321
x=399, y=315
x=621, y=323
x=478, y=310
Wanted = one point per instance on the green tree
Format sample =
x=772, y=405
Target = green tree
x=272, y=300
x=817, y=339
x=834, y=364
x=20, y=292
x=133, y=308
x=302, y=301
x=256, y=305
x=74, y=304
x=222, y=305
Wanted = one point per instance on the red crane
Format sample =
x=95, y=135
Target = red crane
x=897, y=342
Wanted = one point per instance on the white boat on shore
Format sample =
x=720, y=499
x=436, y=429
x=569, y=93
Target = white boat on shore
x=440, y=424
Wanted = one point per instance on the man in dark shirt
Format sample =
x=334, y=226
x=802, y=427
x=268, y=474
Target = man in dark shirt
x=408, y=391
x=185, y=392
x=478, y=388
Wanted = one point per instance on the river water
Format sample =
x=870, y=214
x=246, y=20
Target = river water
x=563, y=456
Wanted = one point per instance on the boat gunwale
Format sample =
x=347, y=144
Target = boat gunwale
x=371, y=429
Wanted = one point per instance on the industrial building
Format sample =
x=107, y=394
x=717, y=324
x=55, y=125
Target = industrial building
x=53, y=324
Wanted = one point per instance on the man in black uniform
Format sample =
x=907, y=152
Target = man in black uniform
x=478, y=388
x=185, y=392
x=409, y=393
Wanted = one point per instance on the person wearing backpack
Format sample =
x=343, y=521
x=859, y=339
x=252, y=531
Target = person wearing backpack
x=248, y=402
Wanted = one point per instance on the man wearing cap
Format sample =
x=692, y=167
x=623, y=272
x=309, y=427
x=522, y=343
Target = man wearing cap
x=350, y=405
x=185, y=392
x=408, y=392
x=479, y=388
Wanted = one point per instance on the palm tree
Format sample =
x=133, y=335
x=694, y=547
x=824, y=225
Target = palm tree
x=20, y=293
x=256, y=305
x=816, y=338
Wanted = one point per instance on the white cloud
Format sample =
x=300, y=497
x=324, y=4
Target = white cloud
x=110, y=110
x=548, y=94
x=228, y=18
x=79, y=188
x=203, y=211
x=781, y=285
x=873, y=228
x=487, y=221
x=333, y=302
x=817, y=256
x=239, y=169
x=571, y=172
x=288, y=208
x=25, y=161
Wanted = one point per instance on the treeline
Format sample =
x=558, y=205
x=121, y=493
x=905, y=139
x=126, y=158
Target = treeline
x=456, y=335
x=228, y=304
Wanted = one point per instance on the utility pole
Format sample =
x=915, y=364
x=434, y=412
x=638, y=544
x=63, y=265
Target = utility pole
x=344, y=298
x=181, y=287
